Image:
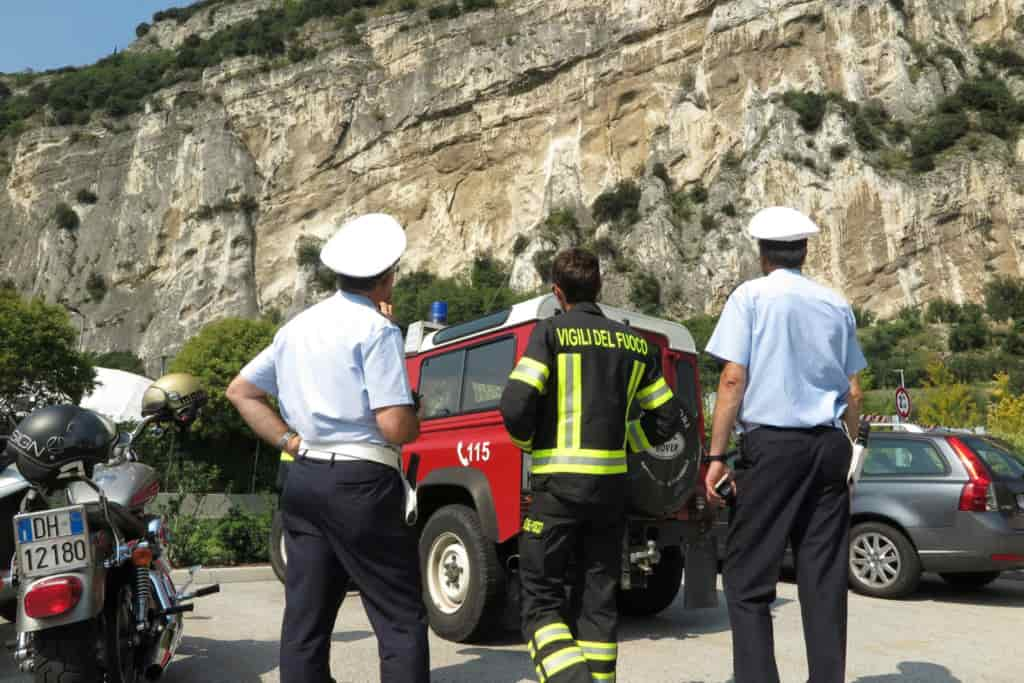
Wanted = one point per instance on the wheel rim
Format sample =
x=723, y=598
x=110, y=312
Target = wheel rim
x=448, y=573
x=875, y=560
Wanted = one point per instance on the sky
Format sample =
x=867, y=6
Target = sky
x=46, y=34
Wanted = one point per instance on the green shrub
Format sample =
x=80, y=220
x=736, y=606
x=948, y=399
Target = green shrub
x=941, y=132
x=698, y=194
x=141, y=30
x=474, y=5
x=953, y=55
x=619, y=203
x=605, y=246
x=307, y=250
x=864, y=133
x=1004, y=298
x=839, y=152
x=942, y=311
x=559, y=223
x=731, y=160
x=65, y=216
x=924, y=164
x=86, y=196
x=542, y=263
x=729, y=210
x=967, y=335
x=1013, y=343
x=708, y=222
x=520, y=244
x=809, y=106
x=449, y=11
x=681, y=207
x=1001, y=55
x=988, y=94
x=96, y=286
x=5, y=90
x=408, y=6
x=864, y=317
x=645, y=293
x=120, y=360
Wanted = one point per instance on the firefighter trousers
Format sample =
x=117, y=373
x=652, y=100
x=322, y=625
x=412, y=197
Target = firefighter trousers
x=571, y=641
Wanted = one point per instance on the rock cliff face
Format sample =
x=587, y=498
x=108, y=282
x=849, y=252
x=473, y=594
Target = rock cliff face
x=473, y=130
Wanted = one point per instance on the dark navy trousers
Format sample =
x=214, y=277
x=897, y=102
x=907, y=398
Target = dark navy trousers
x=791, y=487
x=343, y=523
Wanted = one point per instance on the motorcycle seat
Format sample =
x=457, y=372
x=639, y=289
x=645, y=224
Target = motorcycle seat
x=125, y=520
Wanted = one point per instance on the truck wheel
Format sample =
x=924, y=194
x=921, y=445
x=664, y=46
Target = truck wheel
x=883, y=561
x=969, y=580
x=662, y=586
x=278, y=554
x=462, y=578
x=67, y=654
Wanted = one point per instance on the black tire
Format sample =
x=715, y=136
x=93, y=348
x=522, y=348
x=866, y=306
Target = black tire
x=453, y=545
x=67, y=654
x=970, y=580
x=278, y=556
x=883, y=562
x=662, y=586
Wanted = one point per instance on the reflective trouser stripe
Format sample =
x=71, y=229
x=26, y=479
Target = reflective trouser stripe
x=655, y=395
x=287, y=457
x=570, y=400
x=601, y=652
x=610, y=677
x=561, y=660
x=638, y=440
x=579, y=461
x=551, y=633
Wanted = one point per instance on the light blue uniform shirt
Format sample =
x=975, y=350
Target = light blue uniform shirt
x=330, y=367
x=798, y=342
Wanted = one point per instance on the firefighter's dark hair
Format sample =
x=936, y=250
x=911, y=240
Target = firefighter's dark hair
x=577, y=272
x=361, y=285
x=784, y=254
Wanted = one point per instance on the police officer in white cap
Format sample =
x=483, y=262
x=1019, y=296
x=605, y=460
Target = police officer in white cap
x=337, y=370
x=789, y=380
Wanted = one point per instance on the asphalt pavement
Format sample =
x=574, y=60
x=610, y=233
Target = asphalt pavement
x=939, y=636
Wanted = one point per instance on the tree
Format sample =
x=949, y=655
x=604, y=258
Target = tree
x=1004, y=298
x=39, y=362
x=215, y=356
x=951, y=404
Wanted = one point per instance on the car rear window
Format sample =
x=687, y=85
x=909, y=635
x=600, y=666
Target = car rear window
x=1003, y=460
x=902, y=458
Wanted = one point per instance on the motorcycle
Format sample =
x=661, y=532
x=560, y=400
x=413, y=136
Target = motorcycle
x=95, y=597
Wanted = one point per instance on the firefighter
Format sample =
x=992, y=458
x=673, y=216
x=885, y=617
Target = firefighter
x=567, y=402
x=338, y=372
x=790, y=377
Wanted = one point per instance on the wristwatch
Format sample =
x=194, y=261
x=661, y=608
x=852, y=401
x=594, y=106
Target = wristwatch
x=716, y=458
x=282, y=443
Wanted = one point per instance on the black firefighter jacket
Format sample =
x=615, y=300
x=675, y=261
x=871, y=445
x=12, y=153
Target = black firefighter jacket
x=570, y=398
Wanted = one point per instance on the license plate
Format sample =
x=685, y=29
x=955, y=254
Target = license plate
x=52, y=542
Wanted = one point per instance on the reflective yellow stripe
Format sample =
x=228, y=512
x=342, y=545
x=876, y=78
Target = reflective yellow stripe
x=527, y=379
x=560, y=661
x=525, y=445
x=603, y=677
x=638, y=440
x=543, y=641
x=655, y=395
x=570, y=400
x=287, y=457
x=527, y=363
x=599, y=652
x=618, y=468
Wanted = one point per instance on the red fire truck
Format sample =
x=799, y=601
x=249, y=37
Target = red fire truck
x=474, y=484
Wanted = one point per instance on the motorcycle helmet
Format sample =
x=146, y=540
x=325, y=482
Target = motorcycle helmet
x=177, y=396
x=60, y=442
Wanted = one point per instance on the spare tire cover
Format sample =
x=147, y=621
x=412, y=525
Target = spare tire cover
x=662, y=479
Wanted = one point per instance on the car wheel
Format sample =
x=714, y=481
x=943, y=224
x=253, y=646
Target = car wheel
x=970, y=579
x=662, y=586
x=883, y=561
x=463, y=582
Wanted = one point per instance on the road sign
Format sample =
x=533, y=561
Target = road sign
x=903, y=403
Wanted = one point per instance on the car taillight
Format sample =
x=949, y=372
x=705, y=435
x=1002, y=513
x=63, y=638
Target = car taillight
x=51, y=597
x=978, y=494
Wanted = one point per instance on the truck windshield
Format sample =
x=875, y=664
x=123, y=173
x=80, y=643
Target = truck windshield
x=1004, y=461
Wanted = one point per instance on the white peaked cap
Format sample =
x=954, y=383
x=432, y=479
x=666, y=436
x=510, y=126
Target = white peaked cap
x=365, y=246
x=781, y=224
